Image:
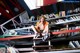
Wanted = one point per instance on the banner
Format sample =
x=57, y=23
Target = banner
x=48, y=2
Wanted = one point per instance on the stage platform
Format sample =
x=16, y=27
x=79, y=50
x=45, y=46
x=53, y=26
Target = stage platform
x=65, y=51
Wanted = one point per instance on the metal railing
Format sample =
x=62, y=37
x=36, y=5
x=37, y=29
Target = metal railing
x=3, y=28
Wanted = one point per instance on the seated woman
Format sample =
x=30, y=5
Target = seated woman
x=42, y=26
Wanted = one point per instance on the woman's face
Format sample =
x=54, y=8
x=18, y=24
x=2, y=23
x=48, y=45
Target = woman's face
x=42, y=19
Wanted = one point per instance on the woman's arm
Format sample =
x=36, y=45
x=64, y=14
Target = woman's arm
x=37, y=27
x=46, y=30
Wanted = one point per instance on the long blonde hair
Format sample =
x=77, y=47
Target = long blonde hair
x=42, y=16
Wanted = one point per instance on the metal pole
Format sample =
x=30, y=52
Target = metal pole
x=2, y=29
x=14, y=23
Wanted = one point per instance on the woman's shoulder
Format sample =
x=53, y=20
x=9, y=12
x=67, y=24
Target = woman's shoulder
x=47, y=22
x=37, y=22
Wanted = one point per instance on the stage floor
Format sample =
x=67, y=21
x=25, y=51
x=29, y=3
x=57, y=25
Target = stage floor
x=65, y=51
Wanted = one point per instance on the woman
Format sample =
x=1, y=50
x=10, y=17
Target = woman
x=42, y=26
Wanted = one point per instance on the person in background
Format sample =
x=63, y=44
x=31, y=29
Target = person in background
x=42, y=26
x=32, y=18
